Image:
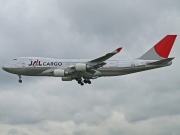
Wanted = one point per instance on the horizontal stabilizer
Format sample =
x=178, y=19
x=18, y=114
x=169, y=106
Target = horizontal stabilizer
x=161, y=62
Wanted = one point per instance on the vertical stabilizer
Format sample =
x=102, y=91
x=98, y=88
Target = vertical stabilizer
x=161, y=50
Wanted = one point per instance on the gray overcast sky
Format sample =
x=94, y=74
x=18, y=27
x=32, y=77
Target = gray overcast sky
x=136, y=104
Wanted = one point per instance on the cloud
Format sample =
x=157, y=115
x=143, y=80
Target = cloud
x=146, y=102
x=114, y=124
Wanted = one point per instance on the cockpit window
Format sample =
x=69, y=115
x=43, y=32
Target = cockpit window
x=14, y=59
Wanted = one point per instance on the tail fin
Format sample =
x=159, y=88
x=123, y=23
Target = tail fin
x=161, y=50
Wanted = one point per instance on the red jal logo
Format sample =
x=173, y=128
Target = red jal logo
x=38, y=63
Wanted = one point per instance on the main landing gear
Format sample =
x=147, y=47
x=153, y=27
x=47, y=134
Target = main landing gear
x=87, y=81
x=82, y=82
x=20, y=80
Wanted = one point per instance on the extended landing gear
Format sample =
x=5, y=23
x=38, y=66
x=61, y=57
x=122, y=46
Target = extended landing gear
x=82, y=82
x=87, y=81
x=79, y=80
x=20, y=80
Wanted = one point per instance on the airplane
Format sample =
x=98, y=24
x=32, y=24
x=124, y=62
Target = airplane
x=83, y=70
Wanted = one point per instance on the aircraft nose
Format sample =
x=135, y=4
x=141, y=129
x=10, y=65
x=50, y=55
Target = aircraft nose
x=5, y=67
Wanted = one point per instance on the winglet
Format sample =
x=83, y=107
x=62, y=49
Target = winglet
x=119, y=49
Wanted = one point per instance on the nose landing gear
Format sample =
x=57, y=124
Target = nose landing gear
x=20, y=80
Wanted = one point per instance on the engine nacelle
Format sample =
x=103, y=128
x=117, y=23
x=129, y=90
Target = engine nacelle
x=60, y=73
x=67, y=79
x=81, y=67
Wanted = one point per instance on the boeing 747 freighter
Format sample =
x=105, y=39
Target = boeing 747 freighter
x=83, y=70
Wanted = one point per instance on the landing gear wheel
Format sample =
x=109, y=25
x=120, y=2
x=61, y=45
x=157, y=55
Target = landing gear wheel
x=82, y=84
x=20, y=81
x=79, y=81
x=89, y=82
x=85, y=81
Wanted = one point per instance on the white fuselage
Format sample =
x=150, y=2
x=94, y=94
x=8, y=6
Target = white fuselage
x=36, y=66
x=82, y=70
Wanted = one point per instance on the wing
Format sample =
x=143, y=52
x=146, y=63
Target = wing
x=99, y=62
x=84, y=69
x=104, y=58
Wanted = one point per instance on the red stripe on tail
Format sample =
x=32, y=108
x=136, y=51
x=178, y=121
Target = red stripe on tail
x=164, y=46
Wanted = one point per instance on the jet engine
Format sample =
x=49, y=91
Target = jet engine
x=67, y=79
x=60, y=73
x=81, y=67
